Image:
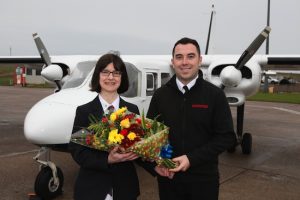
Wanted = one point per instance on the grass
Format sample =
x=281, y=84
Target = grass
x=7, y=70
x=276, y=97
x=6, y=75
x=6, y=81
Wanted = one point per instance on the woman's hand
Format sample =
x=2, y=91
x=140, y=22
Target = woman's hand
x=162, y=171
x=115, y=156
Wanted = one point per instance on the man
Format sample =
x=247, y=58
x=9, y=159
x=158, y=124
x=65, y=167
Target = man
x=201, y=127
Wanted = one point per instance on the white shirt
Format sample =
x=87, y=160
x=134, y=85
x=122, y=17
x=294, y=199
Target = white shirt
x=189, y=85
x=105, y=105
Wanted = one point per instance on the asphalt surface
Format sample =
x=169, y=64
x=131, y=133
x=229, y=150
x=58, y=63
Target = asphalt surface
x=272, y=171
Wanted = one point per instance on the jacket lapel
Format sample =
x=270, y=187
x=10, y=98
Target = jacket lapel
x=122, y=103
x=96, y=107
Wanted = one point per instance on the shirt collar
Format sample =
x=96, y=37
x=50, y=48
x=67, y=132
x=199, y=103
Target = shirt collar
x=189, y=85
x=105, y=105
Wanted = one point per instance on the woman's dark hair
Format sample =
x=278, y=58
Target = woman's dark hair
x=186, y=40
x=119, y=65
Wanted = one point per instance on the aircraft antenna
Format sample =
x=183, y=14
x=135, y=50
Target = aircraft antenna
x=209, y=30
x=268, y=24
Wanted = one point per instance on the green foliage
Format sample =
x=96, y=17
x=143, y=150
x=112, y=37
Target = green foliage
x=5, y=81
x=276, y=97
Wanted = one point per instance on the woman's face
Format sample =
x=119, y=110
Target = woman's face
x=109, y=79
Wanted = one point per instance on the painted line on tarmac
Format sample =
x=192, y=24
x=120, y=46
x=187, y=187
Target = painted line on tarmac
x=18, y=153
x=277, y=108
x=287, y=110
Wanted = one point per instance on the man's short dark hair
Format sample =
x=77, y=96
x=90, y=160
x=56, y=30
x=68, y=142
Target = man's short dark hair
x=186, y=40
x=119, y=65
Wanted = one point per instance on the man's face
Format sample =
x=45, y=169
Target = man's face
x=186, y=62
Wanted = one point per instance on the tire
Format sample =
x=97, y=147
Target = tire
x=246, y=143
x=44, y=186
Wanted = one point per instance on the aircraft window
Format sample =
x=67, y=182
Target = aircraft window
x=28, y=71
x=38, y=72
x=132, y=72
x=165, y=77
x=151, y=83
x=79, y=74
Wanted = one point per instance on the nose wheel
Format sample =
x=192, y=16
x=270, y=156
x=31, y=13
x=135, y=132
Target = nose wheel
x=46, y=186
x=50, y=180
x=245, y=140
x=246, y=143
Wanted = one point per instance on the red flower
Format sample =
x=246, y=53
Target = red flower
x=126, y=143
x=104, y=119
x=88, y=139
x=136, y=129
x=124, y=132
x=138, y=120
x=130, y=116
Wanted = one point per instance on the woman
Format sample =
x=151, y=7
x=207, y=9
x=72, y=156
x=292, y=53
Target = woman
x=101, y=173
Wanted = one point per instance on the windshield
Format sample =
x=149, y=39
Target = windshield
x=79, y=74
x=133, y=77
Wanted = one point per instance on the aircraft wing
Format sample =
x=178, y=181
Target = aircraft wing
x=283, y=60
x=20, y=60
x=283, y=65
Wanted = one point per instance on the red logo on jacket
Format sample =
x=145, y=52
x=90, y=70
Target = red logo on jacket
x=199, y=105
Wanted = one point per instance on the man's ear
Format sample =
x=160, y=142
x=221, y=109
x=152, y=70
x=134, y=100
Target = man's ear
x=172, y=60
x=200, y=60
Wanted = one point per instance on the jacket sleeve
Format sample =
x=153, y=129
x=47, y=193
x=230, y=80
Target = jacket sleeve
x=222, y=130
x=84, y=156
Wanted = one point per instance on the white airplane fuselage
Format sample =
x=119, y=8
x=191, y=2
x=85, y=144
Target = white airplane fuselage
x=50, y=121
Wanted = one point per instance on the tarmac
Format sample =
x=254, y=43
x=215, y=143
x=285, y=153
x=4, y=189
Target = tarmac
x=270, y=172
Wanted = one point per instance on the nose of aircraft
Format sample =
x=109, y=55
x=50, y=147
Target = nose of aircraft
x=49, y=123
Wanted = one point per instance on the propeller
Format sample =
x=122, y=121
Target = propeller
x=51, y=72
x=231, y=75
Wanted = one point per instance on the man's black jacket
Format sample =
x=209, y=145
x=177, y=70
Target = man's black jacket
x=200, y=124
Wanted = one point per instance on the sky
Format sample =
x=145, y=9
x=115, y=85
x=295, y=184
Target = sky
x=94, y=27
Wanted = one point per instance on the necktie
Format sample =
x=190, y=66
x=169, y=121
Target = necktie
x=110, y=109
x=186, y=89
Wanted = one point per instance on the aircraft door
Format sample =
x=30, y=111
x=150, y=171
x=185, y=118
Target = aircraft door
x=150, y=83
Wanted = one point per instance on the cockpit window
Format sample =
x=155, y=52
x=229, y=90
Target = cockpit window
x=133, y=76
x=79, y=74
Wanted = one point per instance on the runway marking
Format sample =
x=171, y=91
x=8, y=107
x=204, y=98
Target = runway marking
x=277, y=108
x=287, y=110
x=18, y=153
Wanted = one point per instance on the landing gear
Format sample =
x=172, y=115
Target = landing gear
x=50, y=179
x=45, y=185
x=246, y=143
x=245, y=140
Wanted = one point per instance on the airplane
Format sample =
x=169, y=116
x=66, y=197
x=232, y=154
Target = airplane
x=49, y=122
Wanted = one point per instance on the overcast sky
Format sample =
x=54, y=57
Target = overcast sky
x=145, y=27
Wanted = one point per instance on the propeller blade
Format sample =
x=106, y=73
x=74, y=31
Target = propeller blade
x=42, y=49
x=254, y=46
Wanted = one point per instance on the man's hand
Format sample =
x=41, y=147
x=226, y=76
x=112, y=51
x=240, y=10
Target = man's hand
x=162, y=171
x=183, y=164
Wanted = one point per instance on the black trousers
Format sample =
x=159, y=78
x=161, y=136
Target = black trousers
x=202, y=190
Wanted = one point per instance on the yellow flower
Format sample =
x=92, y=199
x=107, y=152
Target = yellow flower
x=131, y=136
x=114, y=137
x=113, y=117
x=125, y=123
x=121, y=111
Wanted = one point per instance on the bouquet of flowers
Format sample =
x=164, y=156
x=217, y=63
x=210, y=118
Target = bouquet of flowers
x=131, y=132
